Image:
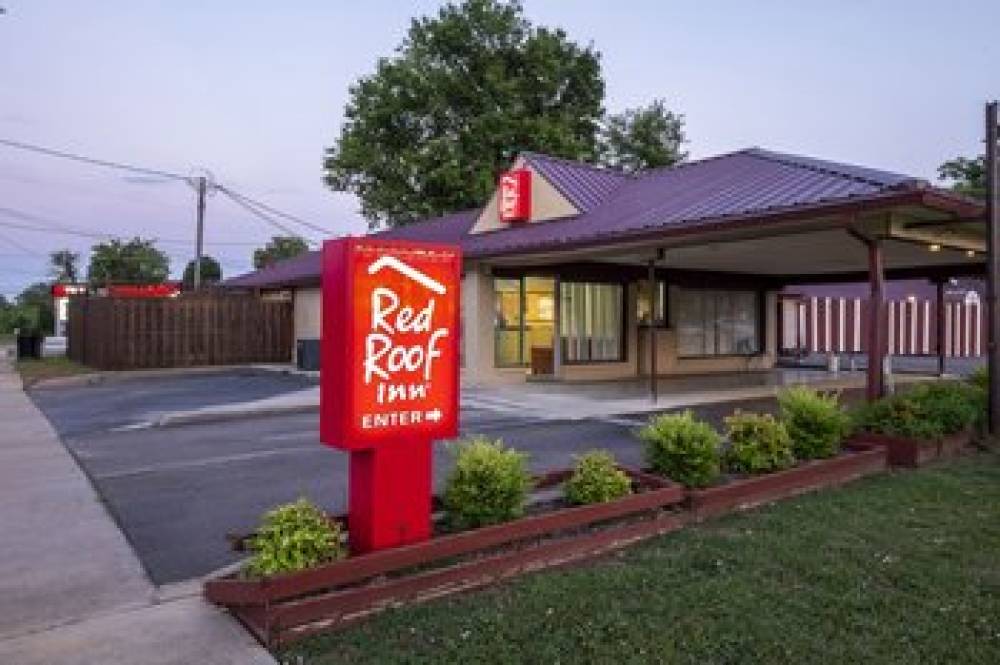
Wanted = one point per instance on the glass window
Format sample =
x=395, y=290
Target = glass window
x=507, y=323
x=711, y=322
x=590, y=322
x=660, y=301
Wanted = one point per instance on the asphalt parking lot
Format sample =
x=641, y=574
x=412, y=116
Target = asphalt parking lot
x=176, y=491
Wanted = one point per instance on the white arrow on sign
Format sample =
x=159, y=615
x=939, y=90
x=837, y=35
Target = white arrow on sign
x=408, y=271
x=433, y=416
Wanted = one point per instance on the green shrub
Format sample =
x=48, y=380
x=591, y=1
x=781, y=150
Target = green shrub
x=758, y=443
x=489, y=484
x=925, y=411
x=815, y=422
x=684, y=449
x=291, y=537
x=596, y=479
x=980, y=378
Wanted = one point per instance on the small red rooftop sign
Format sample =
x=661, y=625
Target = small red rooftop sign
x=515, y=196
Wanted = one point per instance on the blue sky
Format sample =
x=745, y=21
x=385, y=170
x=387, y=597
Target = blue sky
x=255, y=90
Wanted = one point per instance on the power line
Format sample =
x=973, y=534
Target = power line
x=50, y=226
x=51, y=152
x=264, y=216
x=273, y=211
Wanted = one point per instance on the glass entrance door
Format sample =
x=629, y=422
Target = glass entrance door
x=525, y=323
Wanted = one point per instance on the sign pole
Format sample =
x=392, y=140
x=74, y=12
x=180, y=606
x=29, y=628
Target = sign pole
x=993, y=263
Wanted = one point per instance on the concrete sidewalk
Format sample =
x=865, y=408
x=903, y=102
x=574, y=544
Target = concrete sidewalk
x=71, y=588
x=569, y=401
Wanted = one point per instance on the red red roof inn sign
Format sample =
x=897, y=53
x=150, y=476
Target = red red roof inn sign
x=389, y=379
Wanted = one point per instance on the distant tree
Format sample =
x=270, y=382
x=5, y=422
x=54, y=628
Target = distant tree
x=468, y=89
x=211, y=272
x=967, y=176
x=278, y=248
x=63, y=265
x=135, y=261
x=643, y=138
x=34, y=309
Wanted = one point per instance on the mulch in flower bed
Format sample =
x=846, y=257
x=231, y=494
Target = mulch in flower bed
x=739, y=492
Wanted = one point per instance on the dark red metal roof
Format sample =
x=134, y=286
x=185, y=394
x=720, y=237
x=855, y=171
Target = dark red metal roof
x=749, y=185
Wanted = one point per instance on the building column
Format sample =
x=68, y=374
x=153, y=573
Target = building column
x=875, y=387
x=940, y=327
x=652, y=330
x=556, y=326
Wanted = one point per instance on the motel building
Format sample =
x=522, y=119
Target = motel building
x=577, y=273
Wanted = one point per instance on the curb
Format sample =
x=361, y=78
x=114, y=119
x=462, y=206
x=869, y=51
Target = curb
x=198, y=417
x=98, y=377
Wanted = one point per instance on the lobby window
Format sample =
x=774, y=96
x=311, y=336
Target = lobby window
x=717, y=323
x=524, y=318
x=643, y=304
x=591, y=322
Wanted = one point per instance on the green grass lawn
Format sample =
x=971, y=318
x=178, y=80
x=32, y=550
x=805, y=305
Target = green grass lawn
x=32, y=371
x=899, y=568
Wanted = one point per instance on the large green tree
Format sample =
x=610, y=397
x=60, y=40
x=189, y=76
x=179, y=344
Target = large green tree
x=134, y=261
x=643, y=138
x=967, y=176
x=467, y=90
x=63, y=266
x=211, y=272
x=278, y=248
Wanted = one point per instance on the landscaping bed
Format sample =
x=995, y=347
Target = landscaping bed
x=281, y=608
x=741, y=492
x=910, y=452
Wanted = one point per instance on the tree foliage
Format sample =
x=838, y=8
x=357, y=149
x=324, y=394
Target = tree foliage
x=643, y=138
x=63, y=266
x=967, y=176
x=32, y=310
x=468, y=89
x=278, y=248
x=211, y=272
x=134, y=261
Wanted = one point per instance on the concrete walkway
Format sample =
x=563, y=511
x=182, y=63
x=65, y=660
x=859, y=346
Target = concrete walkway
x=71, y=589
x=570, y=401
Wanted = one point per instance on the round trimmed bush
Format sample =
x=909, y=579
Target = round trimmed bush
x=489, y=484
x=682, y=448
x=596, y=478
x=815, y=422
x=758, y=443
x=292, y=537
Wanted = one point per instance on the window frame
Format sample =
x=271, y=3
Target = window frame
x=622, y=323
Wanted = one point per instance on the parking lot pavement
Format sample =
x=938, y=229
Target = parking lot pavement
x=120, y=402
x=176, y=491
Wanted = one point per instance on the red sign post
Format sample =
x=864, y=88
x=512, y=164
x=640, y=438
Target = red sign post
x=389, y=379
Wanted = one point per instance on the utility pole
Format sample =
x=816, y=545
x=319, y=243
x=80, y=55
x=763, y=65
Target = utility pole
x=993, y=262
x=202, y=186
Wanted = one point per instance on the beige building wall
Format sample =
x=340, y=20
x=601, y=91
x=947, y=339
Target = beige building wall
x=307, y=312
x=546, y=203
x=478, y=301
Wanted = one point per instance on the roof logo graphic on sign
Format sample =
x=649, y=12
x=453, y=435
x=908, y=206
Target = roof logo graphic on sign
x=407, y=271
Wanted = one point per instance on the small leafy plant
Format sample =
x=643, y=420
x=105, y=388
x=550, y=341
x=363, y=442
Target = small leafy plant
x=292, y=537
x=489, y=484
x=758, y=443
x=815, y=422
x=683, y=448
x=927, y=411
x=596, y=479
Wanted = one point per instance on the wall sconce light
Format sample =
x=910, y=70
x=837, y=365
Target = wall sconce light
x=970, y=253
x=934, y=247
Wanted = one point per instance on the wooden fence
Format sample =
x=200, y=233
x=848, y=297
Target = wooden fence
x=135, y=333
